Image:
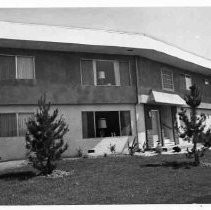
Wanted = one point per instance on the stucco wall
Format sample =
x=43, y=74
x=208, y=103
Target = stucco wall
x=58, y=74
x=14, y=147
x=150, y=78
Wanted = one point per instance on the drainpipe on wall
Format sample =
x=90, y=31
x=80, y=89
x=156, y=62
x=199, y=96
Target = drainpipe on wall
x=139, y=112
x=137, y=88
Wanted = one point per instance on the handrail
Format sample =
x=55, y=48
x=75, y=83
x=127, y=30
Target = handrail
x=163, y=124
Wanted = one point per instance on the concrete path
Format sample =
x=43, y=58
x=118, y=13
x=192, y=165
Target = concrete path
x=12, y=164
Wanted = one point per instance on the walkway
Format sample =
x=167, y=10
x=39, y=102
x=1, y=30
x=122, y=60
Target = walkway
x=12, y=164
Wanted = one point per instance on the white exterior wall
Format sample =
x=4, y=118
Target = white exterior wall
x=14, y=147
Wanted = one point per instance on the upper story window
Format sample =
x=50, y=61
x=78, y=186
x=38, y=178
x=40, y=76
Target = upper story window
x=185, y=82
x=206, y=82
x=188, y=82
x=167, y=79
x=16, y=67
x=105, y=72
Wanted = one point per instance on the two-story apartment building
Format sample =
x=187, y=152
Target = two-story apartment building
x=109, y=86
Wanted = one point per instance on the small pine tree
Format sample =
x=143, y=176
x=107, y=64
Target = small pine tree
x=44, y=138
x=194, y=126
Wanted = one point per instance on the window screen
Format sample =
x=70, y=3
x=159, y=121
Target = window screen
x=8, y=125
x=25, y=67
x=167, y=79
x=182, y=82
x=87, y=72
x=124, y=73
x=188, y=82
x=7, y=67
x=22, y=119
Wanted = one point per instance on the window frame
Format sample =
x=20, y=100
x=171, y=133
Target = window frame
x=162, y=79
x=206, y=81
x=17, y=120
x=94, y=69
x=16, y=65
x=188, y=75
x=15, y=114
x=17, y=117
x=119, y=121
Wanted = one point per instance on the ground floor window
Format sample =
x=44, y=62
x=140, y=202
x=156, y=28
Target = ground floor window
x=13, y=124
x=106, y=124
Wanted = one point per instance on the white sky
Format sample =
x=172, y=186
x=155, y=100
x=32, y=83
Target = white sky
x=187, y=28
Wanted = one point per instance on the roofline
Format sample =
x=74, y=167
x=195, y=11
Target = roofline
x=95, y=37
x=113, y=31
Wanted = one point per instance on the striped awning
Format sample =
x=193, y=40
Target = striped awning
x=166, y=98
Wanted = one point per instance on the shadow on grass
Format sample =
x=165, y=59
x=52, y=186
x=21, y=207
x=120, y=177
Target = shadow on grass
x=21, y=175
x=171, y=164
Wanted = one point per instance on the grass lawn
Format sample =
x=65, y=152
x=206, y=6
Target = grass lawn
x=110, y=180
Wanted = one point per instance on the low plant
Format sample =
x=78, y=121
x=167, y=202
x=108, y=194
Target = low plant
x=201, y=152
x=112, y=148
x=158, y=148
x=134, y=147
x=79, y=152
x=176, y=149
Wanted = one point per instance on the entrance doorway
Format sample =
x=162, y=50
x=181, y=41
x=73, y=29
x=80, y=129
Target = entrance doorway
x=156, y=127
x=159, y=122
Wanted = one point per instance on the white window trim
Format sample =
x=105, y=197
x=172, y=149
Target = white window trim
x=172, y=77
x=116, y=71
x=16, y=64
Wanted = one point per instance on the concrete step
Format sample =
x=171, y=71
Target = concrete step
x=168, y=142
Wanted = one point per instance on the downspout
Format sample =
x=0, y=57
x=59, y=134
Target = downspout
x=137, y=88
